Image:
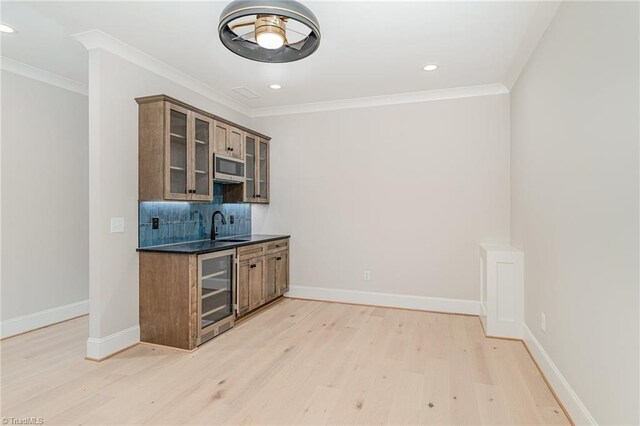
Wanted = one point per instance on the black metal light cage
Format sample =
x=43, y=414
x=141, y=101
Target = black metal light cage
x=286, y=8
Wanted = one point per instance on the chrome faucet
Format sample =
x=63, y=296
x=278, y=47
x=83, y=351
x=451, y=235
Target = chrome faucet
x=214, y=229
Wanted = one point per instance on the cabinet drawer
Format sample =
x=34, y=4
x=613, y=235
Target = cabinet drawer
x=249, y=252
x=276, y=246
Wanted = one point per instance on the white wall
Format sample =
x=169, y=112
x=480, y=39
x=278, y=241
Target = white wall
x=574, y=177
x=114, y=83
x=405, y=191
x=45, y=207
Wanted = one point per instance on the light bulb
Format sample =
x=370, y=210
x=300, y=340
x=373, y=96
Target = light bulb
x=270, y=40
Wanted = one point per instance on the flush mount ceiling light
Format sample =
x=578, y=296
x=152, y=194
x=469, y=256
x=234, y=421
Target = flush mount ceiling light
x=269, y=30
x=6, y=29
x=275, y=86
x=430, y=67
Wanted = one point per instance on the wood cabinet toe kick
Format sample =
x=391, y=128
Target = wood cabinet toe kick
x=172, y=294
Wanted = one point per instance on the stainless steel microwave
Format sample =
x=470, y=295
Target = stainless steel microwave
x=227, y=169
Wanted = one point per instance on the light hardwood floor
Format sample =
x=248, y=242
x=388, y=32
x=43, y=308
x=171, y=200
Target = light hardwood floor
x=297, y=362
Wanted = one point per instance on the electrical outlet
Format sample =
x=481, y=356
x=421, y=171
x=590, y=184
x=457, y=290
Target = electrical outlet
x=367, y=275
x=543, y=322
x=232, y=219
x=155, y=222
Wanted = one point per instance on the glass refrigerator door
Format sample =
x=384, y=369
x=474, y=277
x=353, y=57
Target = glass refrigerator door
x=216, y=279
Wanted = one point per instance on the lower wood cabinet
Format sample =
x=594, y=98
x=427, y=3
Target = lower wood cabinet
x=271, y=284
x=169, y=299
x=282, y=272
x=250, y=285
x=262, y=277
x=187, y=299
x=277, y=277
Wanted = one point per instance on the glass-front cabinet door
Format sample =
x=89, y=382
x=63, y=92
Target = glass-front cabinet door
x=251, y=165
x=256, y=188
x=202, y=187
x=189, y=161
x=177, y=153
x=263, y=168
x=216, y=284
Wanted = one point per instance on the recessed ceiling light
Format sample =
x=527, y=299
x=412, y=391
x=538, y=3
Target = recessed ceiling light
x=6, y=29
x=430, y=67
x=275, y=86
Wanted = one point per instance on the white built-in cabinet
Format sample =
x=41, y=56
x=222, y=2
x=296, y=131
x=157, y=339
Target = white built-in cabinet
x=502, y=291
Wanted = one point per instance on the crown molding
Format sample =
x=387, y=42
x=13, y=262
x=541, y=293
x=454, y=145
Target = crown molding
x=96, y=39
x=374, y=101
x=545, y=11
x=34, y=73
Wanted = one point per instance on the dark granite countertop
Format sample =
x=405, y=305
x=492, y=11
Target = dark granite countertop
x=206, y=246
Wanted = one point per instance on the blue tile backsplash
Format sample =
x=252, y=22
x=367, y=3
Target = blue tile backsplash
x=184, y=221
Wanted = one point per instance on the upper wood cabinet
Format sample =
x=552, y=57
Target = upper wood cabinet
x=202, y=163
x=236, y=145
x=174, y=154
x=256, y=187
x=221, y=138
x=227, y=140
x=262, y=171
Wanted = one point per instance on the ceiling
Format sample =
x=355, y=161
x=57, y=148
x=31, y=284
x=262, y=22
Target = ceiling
x=368, y=48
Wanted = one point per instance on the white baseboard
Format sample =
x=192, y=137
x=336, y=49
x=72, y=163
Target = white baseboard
x=36, y=320
x=572, y=403
x=99, y=349
x=422, y=303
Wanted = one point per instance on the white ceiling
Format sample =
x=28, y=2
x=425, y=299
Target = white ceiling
x=368, y=48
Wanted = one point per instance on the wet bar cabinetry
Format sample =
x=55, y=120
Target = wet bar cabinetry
x=175, y=148
x=263, y=274
x=190, y=293
x=186, y=300
x=256, y=187
x=176, y=143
